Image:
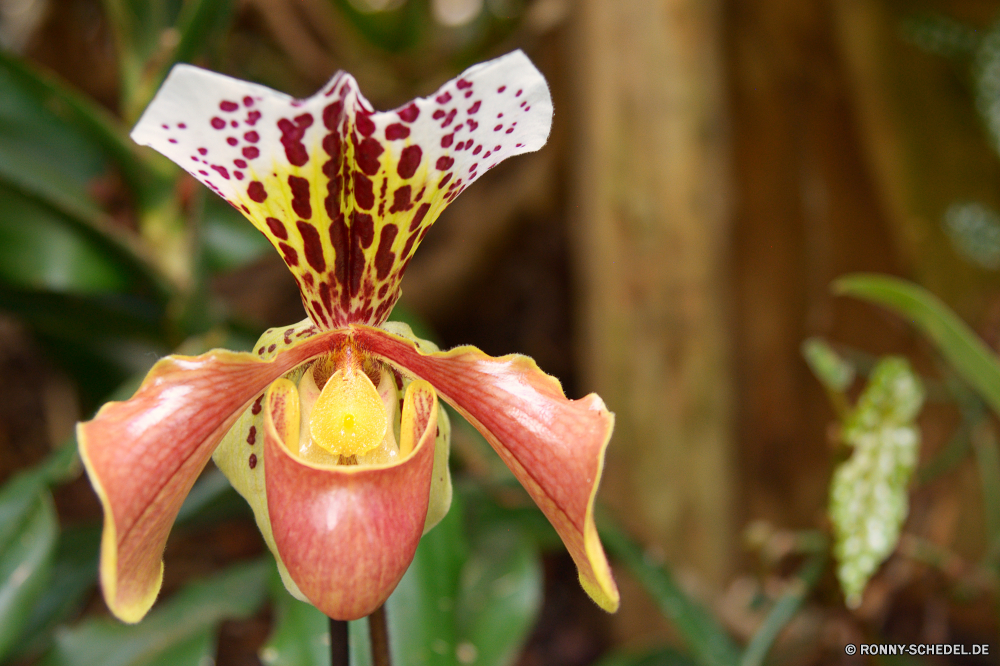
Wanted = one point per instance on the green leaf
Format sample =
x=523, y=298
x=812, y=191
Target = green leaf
x=830, y=369
x=40, y=250
x=784, y=610
x=465, y=601
x=967, y=355
x=500, y=596
x=300, y=636
x=708, y=641
x=28, y=532
x=421, y=612
x=657, y=657
x=45, y=124
x=939, y=34
x=74, y=575
x=228, y=239
x=868, y=493
x=173, y=630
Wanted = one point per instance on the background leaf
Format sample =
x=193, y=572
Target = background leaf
x=173, y=629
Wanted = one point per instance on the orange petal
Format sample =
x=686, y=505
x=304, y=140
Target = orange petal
x=144, y=454
x=554, y=446
x=347, y=533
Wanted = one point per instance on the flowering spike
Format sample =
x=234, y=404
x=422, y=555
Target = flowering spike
x=346, y=194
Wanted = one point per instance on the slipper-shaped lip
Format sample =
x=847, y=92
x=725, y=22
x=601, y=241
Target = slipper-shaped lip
x=348, y=533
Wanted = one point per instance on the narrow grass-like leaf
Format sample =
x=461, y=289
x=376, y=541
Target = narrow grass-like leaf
x=709, y=643
x=28, y=532
x=974, y=362
x=784, y=610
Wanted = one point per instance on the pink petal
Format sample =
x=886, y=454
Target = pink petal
x=344, y=193
x=144, y=454
x=348, y=533
x=554, y=446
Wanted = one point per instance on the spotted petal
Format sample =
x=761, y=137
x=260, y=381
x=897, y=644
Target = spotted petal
x=554, y=446
x=144, y=454
x=344, y=193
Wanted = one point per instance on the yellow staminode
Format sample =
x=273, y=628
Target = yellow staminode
x=348, y=417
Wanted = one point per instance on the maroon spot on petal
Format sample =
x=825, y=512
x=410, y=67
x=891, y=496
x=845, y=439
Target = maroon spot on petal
x=312, y=245
x=253, y=460
x=462, y=84
x=228, y=106
x=300, y=196
x=473, y=125
x=396, y=131
x=498, y=128
x=250, y=152
x=232, y=140
x=252, y=118
x=444, y=181
x=438, y=115
x=272, y=348
x=238, y=175
x=245, y=209
x=260, y=352
x=363, y=227
x=221, y=171
x=520, y=145
x=476, y=151
x=252, y=435
x=256, y=405
x=308, y=279
x=382, y=290
x=292, y=132
x=443, y=98
x=364, y=195
x=252, y=136
x=468, y=94
x=202, y=172
x=460, y=146
x=446, y=140
x=419, y=216
x=501, y=89
x=444, y=163
x=496, y=148
x=172, y=140
x=518, y=94
x=277, y=228
x=449, y=118
x=326, y=295
x=368, y=153
x=365, y=124
x=409, y=160
x=218, y=123
x=256, y=191
x=233, y=123
x=401, y=199
x=509, y=130
x=291, y=256
x=527, y=108
x=240, y=163
x=409, y=114
x=203, y=151
x=487, y=154
x=523, y=104
x=331, y=115
x=499, y=115
x=384, y=257
x=182, y=125
x=194, y=159
x=473, y=167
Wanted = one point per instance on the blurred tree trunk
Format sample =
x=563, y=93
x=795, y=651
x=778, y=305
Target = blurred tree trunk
x=651, y=235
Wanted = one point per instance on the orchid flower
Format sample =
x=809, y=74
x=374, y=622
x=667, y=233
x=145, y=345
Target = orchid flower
x=331, y=429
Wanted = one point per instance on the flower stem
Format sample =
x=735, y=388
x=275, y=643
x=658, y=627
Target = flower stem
x=339, y=652
x=378, y=631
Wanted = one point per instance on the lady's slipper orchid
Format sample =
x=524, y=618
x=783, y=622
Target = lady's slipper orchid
x=332, y=430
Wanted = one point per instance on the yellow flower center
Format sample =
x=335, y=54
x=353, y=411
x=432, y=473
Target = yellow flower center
x=348, y=418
